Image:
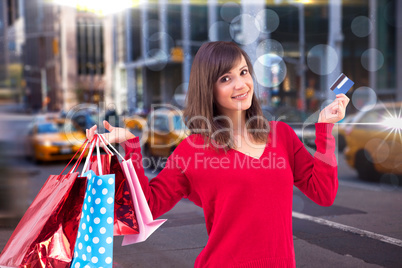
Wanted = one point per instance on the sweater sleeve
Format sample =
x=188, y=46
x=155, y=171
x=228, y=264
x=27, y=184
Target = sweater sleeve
x=317, y=177
x=164, y=190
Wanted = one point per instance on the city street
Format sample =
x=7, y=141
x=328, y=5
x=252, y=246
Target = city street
x=361, y=229
x=165, y=69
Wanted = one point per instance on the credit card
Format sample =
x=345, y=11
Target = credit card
x=342, y=84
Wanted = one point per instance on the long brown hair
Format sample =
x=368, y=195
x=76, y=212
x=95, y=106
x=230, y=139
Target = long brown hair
x=201, y=115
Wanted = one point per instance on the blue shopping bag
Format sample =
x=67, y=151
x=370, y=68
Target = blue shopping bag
x=94, y=244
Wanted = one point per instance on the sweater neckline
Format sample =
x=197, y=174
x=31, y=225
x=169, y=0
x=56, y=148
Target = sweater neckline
x=265, y=148
x=246, y=155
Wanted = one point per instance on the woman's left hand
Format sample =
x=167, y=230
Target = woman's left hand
x=335, y=111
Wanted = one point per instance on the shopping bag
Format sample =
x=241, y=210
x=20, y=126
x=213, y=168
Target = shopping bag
x=145, y=220
x=46, y=234
x=147, y=225
x=125, y=220
x=94, y=244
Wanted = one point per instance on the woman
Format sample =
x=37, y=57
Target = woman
x=237, y=166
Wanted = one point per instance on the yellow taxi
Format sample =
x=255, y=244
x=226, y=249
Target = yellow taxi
x=339, y=131
x=135, y=122
x=165, y=129
x=53, y=140
x=374, y=141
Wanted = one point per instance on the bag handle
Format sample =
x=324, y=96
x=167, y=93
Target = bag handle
x=87, y=160
x=85, y=143
x=103, y=139
x=78, y=162
x=82, y=155
x=94, y=143
x=98, y=157
x=104, y=145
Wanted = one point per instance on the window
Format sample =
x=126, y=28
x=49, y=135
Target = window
x=47, y=128
x=178, y=123
x=161, y=123
x=136, y=33
x=90, y=58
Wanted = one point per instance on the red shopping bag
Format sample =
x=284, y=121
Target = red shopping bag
x=46, y=234
x=125, y=220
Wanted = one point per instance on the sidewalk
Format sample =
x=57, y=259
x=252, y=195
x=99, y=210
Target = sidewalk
x=14, y=108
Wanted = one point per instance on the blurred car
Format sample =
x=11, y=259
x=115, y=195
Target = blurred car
x=374, y=142
x=53, y=140
x=340, y=132
x=135, y=122
x=164, y=132
x=84, y=116
x=45, y=117
x=84, y=120
x=113, y=118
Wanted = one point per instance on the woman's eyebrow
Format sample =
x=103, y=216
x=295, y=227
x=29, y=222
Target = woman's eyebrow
x=231, y=72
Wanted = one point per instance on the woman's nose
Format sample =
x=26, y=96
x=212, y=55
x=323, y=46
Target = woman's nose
x=239, y=83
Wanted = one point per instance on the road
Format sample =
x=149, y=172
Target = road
x=362, y=229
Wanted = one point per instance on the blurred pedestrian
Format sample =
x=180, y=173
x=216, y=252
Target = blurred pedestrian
x=236, y=165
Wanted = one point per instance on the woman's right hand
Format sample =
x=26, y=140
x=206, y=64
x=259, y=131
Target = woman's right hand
x=115, y=135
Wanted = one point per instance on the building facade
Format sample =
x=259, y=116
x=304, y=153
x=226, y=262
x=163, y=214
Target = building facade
x=86, y=56
x=67, y=56
x=298, y=50
x=58, y=56
x=41, y=60
x=11, y=44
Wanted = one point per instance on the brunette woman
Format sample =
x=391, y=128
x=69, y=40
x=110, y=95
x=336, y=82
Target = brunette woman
x=237, y=166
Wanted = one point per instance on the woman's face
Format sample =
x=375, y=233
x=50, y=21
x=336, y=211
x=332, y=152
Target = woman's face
x=234, y=90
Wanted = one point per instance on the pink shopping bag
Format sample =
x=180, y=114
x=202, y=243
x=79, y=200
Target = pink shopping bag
x=146, y=224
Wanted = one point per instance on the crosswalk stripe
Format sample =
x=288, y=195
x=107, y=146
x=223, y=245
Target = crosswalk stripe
x=346, y=228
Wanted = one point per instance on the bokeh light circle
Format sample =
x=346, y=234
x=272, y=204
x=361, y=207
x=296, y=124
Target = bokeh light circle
x=229, y=11
x=156, y=59
x=389, y=182
x=270, y=46
x=364, y=98
x=151, y=26
x=378, y=148
x=219, y=31
x=361, y=26
x=162, y=37
x=372, y=53
x=244, y=33
x=270, y=70
x=179, y=97
x=268, y=20
x=322, y=59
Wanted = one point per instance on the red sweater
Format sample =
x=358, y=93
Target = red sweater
x=247, y=202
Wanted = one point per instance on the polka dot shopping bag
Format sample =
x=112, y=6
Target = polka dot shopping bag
x=94, y=244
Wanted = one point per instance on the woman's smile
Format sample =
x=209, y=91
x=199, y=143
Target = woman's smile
x=241, y=96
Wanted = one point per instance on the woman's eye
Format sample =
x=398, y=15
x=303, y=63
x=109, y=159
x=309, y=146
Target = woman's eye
x=244, y=72
x=224, y=79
